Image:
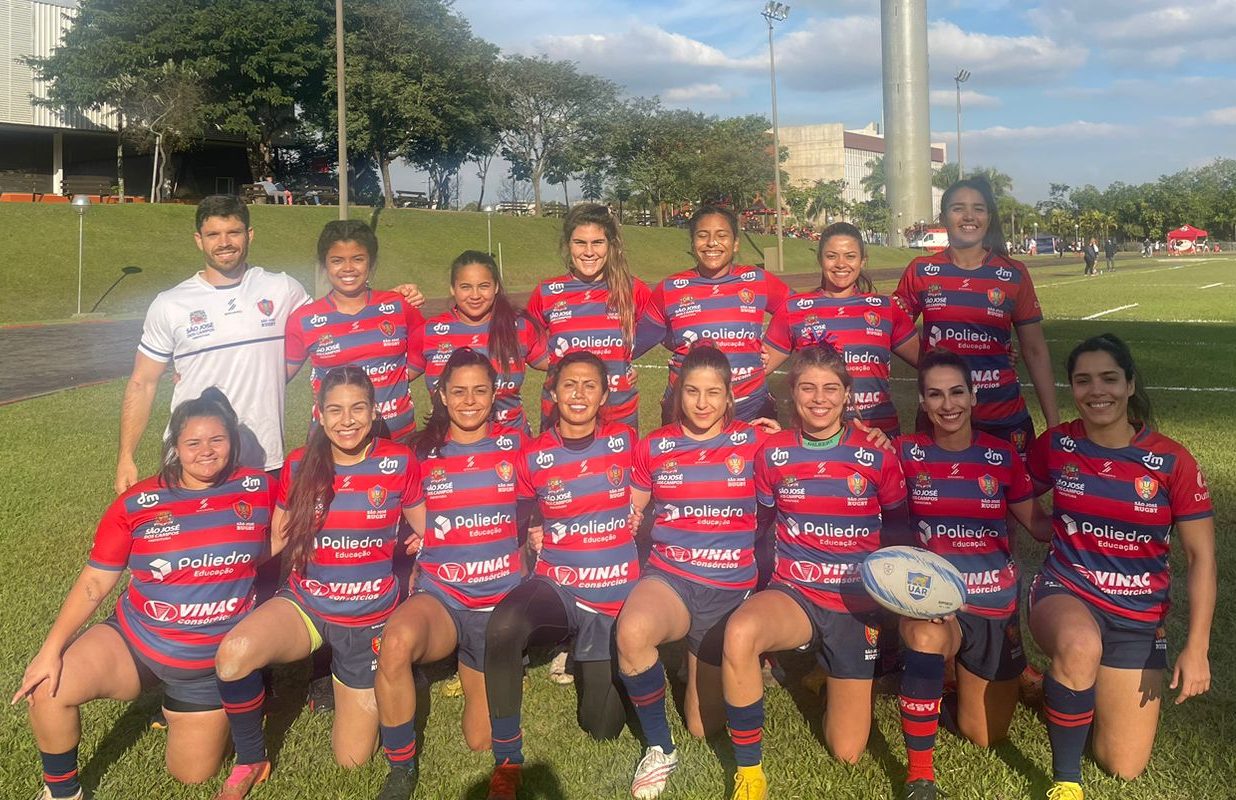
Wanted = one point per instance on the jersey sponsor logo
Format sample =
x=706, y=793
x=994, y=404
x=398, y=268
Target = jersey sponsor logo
x=191, y=613
x=931, y=269
x=614, y=474
x=563, y=575
x=1116, y=582
x=556, y=287
x=266, y=307
x=735, y=464
x=966, y=339
x=445, y=347
x=792, y=527
x=988, y=485
x=388, y=308
x=675, y=553
x=583, y=467
x=864, y=457
x=739, y=437
x=505, y=442
x=665, y=445
x=828, y=529
x=872, y=318
x=1068, y=444
x=318, y=320
x=1152, y=461
x=685, y=301
x=746, y=296
x=441, y=329
x=1203, y=493
x=326, y=344
x=197, y=317
x=670, y=465
x=944, y=530
x=616, y=444
x=148, y=499
x=505, y=470
x=994, y=457
x=164, y=518
x=387, y=327
x=681, y=283
x=1070, y=472
x=377, y=496
x=243, y=509
x=160, y=568
x=748, y=277
x=727, y=335
x=251, y=483
x=857, y=484
x=805, y=571
x=544, y=459
x=917, y=453
x=996, y=296
x=388, y=465
x=865, y=357
x=922, y=480
x=918, y=585
x=779, y=457
x=1004, y=274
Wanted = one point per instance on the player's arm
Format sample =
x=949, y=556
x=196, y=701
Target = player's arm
x=1033, y=345
x=139, y=394
x=1191, y=675
x=639, y=501
x=278, y=531
x=908, y=351
x=415, y=517
x=84, y=598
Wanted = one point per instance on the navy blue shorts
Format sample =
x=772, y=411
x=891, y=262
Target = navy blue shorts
x=1125, y=646
x=354, y=648
x=991, y=646
x=710, y=609
x=847, y=645
x=592, y=633
x=183, y=690
x=470, y=624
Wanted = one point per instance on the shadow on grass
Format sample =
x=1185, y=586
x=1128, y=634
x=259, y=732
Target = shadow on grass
x=125, y=733
x=1016, y=760
x=539, y=782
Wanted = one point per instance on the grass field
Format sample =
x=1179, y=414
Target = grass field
x=58, y=454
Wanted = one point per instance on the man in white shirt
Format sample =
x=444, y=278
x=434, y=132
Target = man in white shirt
x=222, y=327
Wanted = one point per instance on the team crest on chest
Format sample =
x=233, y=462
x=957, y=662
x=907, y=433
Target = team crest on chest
x=555, y=485
x=377, y=496
x=163, y=518
x=266, y=307
x=437, y=474
x=996, y=295
x=387, y=327
x=197, y=317
x=504, y=470
x=872, y=318
x=1018, y=439
x=746, y=296
x=734, y=464
x=614, y=473
x=1146, y=486
x=988, y=485
x=857, y=484
x=243, y=509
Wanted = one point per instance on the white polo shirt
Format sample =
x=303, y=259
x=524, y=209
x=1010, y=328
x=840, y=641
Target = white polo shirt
x=230, y=337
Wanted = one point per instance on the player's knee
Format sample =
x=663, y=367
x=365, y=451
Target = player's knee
x=231, y=659
x=478, y=741
x=742, y=634
x=507, y=630
x=193, y=771
x=633, y=633
x=1076, y=659
x=846, y=752
x=399, y=648
x=923, y=636
x=1125, y=767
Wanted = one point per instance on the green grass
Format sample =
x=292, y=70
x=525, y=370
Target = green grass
x=40, y=243
x=57, y=453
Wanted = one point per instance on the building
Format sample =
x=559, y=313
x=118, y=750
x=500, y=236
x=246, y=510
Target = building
x=829, y=152
x=44, y=151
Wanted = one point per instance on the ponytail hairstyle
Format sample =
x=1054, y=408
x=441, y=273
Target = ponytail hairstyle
x=617, y=271
x=430, y=438
x=1140, y=411
x=703, y=356
x=575, y=357
x=348, y=230
x=503, y=336
x=313, y=484
x=993, y=240
x=939, y=357
x=864, y=284
x=212, y=403
x=823, y=355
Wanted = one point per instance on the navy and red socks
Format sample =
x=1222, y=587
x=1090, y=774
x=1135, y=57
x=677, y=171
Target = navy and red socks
x=647, y=693
x=508, y=740
x=922, y=684
x=1069, y=715
x=746, y=726
x=243, y=700
x=60, y=773
x=399, y=744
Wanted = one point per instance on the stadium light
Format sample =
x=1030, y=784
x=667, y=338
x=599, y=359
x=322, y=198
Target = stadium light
x=775, y=12
x=489, y=229
x=961, y=77
x=81, y=202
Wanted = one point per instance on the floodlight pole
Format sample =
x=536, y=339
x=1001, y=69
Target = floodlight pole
x=775, y=12
x=341, y=112
x=80, y=203
x=961, y=77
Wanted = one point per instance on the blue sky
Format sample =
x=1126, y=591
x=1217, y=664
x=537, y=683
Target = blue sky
x=1071, y=91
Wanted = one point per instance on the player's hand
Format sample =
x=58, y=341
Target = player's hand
x=45, y=666
x=536, y=538
x=1013, y=354
x=875, y=436
x=411, y=294
x=126, y=475
x=414, y=543
x=767, y=424
x=1191, y=674
x=634, y=519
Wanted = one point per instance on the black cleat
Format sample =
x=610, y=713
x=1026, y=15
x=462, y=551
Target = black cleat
x=399, y=784
x=921, y=789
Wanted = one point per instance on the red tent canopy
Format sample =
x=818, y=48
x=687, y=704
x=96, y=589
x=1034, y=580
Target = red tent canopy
x=1187, y=232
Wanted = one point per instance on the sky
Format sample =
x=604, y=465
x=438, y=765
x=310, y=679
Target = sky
x=1065, y=91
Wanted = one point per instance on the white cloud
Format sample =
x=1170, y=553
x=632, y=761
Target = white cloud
x=1000, y=60
x=685, y=95
x=947, y=98
x=1062, y=133
x=1143, y=32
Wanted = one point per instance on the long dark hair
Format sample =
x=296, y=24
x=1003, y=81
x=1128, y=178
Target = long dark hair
x=824, y=356
x=348, y=230
x=616, y=270
x=313, y=484
x=703, y=356
x=211, y=403
x=575, y=357
x=993, y=240
x=1140, y=411
x=438, y=423
x=503, y=337
x=939, y=357
x=844, y=229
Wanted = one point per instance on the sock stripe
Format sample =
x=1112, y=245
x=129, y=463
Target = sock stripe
x=746, y=737
x=67, y=776
x=650, y=698
x=1069, y=720
x=246, y=707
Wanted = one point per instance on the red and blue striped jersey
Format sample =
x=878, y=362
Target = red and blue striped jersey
x=435, y=341
x=192, y=556
x=865, y=328
x=829, y=505
x=349, y=578
x=585, y=500
x=971, y=312
x=576, y=316
x=1112, y=516
x=958, y=509
x=469, y=556
x=703, y=497
x=375, y=339
x=727, y=312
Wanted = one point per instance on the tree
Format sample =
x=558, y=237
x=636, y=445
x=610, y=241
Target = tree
x=655, y=151
x=165, y=114
x=875, y=181
x=811, y=200
x=554, y=112
x=946, y=176
x=733, y=162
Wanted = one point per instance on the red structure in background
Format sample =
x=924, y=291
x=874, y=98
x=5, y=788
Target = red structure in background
x=1183, y=241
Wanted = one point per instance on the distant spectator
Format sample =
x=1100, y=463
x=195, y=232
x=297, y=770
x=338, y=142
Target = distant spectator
x=1090, y=253
x=1109, y=252
x=1147, y=250
x=276, y=191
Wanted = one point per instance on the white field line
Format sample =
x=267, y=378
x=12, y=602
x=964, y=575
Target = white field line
x=1112, y=311
x=1164, y=266
x=1211, y=285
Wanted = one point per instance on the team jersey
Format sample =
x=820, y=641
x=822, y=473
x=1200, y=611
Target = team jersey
x=376, y=339
x=470, y=552
x=958, y=509
x=585, y=499
x=576, y=316
x=230, y=337
x=703, y=497
x=971, y=312
x=865, y=328
x=728, y=312
x=192, y=555
x=348, y=578
x=435, y=341
x=1112, y=516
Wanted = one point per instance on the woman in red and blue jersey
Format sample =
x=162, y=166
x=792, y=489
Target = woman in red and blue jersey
x=340, y=501
x=191, y=538
x=845, y=311
x=963, y=484
x=579, y=473
x=482, y=319
x=1120, y=490
x=837, y=498
x=971, y=297
x=698, y=472
x=593, y=307
x=468, y=559
x=718, y=302
x=354, y=324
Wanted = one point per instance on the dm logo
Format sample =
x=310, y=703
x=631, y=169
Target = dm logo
x=857, y=484
x=918, y=585
x=996, y=295
x=1146, y=486
x=242, y=509
x=987, y=485
x=377, y=496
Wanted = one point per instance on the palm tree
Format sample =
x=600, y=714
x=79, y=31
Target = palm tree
x=874, y=182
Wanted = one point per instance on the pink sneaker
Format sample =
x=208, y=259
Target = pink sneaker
x=243, y=778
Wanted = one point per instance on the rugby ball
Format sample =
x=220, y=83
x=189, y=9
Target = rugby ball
x=913, y=582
